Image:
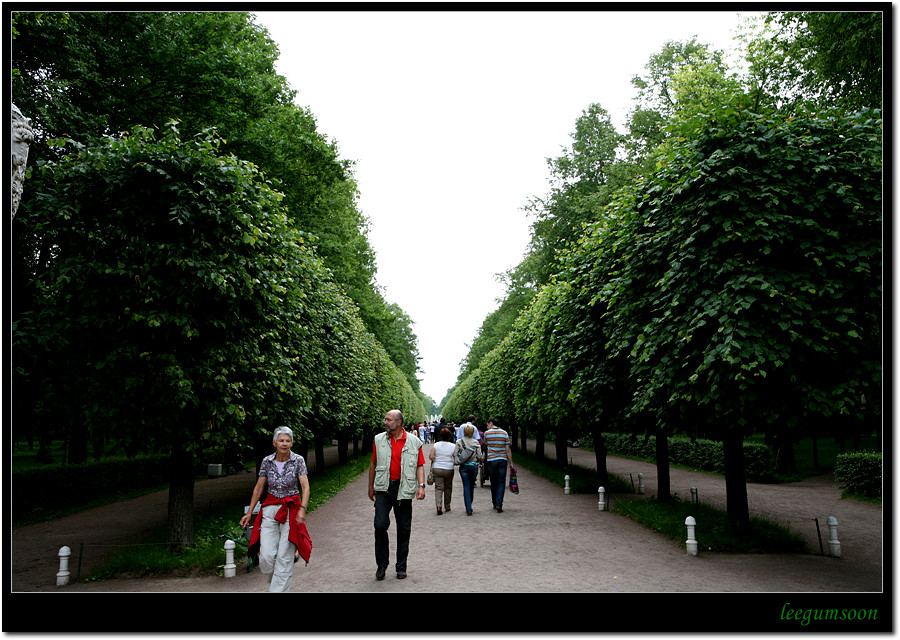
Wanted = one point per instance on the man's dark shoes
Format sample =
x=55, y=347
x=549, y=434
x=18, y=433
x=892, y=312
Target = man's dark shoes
x=379, y=573
x=401, y=575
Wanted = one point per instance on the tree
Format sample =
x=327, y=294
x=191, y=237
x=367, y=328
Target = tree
x=89, y=75
x=753, y=283
x=839, y=53
x=192, y=310
x=177, y=290
x=582, y=180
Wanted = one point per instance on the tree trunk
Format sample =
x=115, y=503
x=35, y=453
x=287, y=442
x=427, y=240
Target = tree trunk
x=320, y=453
x=664, y=485
x=539, y=443
x=600, y=456
x=562, y=446
x=735, y=481
x=785, y=460
x=77, y=441
x=524, y=436
x=45, y=442
x=513, y=436
x=181, y=499
x=343, y=444
x=815, y=451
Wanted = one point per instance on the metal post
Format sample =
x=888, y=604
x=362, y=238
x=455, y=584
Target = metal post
x=691, y=538
x=641, y=483
x=834, y=547
x=601, y=504
x=819, y=533
x=62, y=577
x=567, y=485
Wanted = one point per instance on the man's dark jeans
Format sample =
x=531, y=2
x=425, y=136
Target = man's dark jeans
x=385, y=501
x=497, y=473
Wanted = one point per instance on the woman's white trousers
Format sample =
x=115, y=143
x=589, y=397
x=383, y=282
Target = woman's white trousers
x=276, y=552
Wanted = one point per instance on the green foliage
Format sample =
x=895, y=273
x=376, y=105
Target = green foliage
x=736, y=287
x=715, y=532
x=92, y=77
x=705, y=455
x=581, y=480
x=860, y=473
x=206, y=555
x=73, y=486
x=757, y=249
x=178, y=285
x=832, y=58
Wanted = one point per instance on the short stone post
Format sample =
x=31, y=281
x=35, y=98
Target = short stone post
x=230, y=567
x=601, y=503
x=567, y=485
x=834, y=547
x=641, y=483
x=691, y=538
x=62, y=577
x=694, y=499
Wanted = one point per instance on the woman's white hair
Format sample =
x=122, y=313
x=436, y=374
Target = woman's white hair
x=279, y=430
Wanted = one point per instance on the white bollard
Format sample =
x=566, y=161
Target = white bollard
x=694, y=499
x=567, y=485
x=641, y=483
x=230, y=567
x=601, y=504
x=691, y=538
x=62, y=577
x=834, y=547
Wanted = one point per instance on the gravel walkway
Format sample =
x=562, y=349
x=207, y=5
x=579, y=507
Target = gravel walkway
x=543, y=542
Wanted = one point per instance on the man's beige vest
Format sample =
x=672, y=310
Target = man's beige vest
x=409, y=461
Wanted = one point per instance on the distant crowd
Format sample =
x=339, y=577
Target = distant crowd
x=431, y=431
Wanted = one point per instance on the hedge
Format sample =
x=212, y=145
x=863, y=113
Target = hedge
x=37, y=492
x=860, y=473
x=706, y=455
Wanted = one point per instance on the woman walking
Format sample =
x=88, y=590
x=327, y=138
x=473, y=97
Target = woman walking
x=281, y=522
x=468, y=449
x=441, y=456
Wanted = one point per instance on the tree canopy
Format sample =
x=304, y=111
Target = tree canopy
x=721, y=275
x=190, y=268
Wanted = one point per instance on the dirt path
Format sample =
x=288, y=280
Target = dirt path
x=543, y=542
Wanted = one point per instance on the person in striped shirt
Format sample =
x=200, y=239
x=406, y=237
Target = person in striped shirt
x=498, y=461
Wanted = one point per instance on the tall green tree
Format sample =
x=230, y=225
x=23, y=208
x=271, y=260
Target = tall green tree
x=752, y=294
x=89, y=75
x=177, y=294
x=582, y=180
x=839, y=53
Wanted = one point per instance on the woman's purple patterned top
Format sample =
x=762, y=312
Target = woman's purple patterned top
x=283, y=483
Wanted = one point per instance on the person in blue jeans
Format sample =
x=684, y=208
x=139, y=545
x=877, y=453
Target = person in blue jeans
x=498, y=461
x=468, y=470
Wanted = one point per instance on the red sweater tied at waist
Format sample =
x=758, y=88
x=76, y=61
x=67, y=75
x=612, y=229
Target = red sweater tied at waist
x=298, y=533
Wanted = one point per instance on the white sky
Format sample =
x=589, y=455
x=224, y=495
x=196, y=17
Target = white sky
x=450, y=117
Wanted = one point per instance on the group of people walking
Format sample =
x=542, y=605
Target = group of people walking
x=471, y=449
x=396, y=475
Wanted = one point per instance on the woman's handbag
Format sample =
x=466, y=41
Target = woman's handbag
x=513, y=480
x=431, y=474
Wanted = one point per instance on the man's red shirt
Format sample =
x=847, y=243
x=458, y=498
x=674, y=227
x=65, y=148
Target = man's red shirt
x=396, y=449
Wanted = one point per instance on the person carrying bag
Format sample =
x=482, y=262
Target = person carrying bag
x=468, y=456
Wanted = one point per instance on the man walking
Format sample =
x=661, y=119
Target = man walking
x=396, y=474
x=499, y=457
x=460, y=430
